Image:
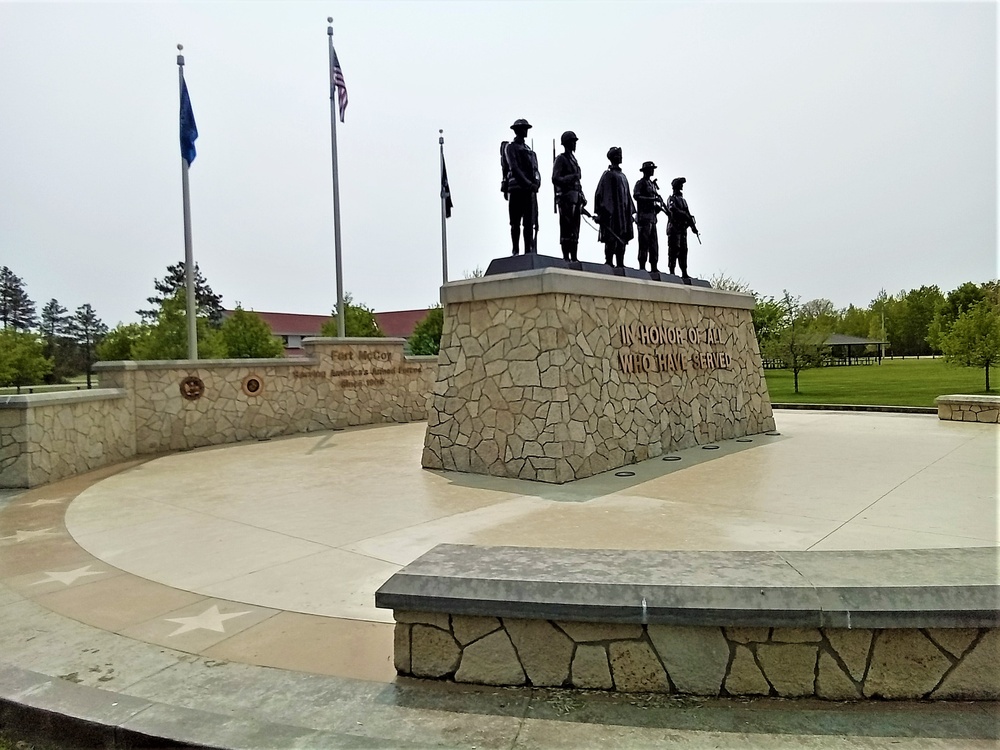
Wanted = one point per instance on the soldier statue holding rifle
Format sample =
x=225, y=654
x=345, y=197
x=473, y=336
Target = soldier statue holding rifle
x=569, y=196
x=680, y=219
x=648, y=204
x=521, y=181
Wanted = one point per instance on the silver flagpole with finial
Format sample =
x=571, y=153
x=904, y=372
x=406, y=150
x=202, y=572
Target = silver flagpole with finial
x=336, y=189
x=192, y=321
x=444, y=216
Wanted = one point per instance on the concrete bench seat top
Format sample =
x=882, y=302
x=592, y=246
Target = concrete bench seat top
x=959, y=398
x=911, y=588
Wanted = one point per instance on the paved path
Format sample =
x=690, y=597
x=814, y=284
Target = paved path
x=227, y=592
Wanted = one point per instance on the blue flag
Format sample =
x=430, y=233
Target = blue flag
x=189, y=131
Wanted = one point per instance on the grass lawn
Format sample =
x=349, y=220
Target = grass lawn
x=896, y=382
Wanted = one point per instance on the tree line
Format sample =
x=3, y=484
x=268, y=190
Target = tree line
x=56, y=345
x=45, y=347
x=962, y=326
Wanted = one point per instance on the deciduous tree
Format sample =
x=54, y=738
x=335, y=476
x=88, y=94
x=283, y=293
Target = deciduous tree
x=974, y=339
x=22, y=359
x=359, y=321
x=246, y=336
x=799, y=342
x=768, y=316
x=956, y=302
x=167, y=338
x=426, y=336
x=120, y=341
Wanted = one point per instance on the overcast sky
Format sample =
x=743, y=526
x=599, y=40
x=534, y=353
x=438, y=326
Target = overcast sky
x=831, y=149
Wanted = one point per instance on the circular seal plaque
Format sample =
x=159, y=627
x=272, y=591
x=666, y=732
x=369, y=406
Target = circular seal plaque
x=192, y=388
x=253, y=385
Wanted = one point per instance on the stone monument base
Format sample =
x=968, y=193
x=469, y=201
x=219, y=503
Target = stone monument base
x=554, y=374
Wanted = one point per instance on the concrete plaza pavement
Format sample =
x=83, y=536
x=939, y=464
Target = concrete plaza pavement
x=225, y=595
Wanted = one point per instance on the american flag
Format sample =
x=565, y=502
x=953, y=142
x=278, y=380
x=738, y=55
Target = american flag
x=337, y=82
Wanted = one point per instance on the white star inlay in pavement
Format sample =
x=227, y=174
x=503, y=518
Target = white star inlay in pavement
x=210, y=619
x=69, y=576
x=24, y=536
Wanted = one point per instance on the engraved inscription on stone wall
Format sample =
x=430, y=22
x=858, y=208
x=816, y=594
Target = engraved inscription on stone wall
x=361, y=368
x=664, y=348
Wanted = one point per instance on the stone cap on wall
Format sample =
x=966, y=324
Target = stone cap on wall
x=57, y=398
x=188, y=364
x=970, y=399
x=362, y=340
x=567, y=281
x=835, y=589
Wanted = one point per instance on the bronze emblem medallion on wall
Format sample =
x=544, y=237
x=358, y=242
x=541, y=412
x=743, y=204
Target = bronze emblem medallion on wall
x=192, y=388
x=253, y=385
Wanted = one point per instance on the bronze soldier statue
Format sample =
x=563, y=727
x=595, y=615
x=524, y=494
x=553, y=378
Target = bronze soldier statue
x=521, y=180
x=648, y=204
x=613, y=209
x=569, y=195
x=680, y=219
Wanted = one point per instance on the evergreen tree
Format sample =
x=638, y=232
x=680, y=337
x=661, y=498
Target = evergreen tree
x=209, y=303
x=17, y=311
x=55, y=322
x=247, y=336
x=87, y=330
x=55, y=330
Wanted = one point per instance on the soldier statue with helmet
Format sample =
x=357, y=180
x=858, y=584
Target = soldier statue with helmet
x=521, y=181
x=677, y=227
x=569, y=196
x=648, y=203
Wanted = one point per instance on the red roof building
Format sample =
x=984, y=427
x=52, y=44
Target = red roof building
x=291, y=328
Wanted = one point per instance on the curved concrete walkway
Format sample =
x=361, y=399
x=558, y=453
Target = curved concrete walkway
x=225, y=595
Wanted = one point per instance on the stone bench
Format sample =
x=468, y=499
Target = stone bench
x=900, y=624
x=961, y=408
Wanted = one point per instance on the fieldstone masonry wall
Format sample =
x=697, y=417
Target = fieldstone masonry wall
x=556, y=375
x=834, y=664
x=49, y=436
x=151, y=407
x=345, y=382
x=959, y=408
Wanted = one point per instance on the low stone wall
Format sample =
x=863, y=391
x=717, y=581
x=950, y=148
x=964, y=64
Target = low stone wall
x=344, y=382
x=49, y=436
x=958, y=408
x=152, y=407
x=828, y=663
x=895, y=624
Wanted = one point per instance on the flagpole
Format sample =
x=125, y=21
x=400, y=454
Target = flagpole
x=336, y=193
x=192, y=322
x=444, y=216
